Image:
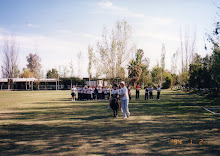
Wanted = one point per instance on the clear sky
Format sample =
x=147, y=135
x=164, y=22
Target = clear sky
x=59, y=29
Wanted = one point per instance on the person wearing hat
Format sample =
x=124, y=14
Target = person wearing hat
x=124, y=100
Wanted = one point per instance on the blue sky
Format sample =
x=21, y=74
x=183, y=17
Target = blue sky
x=59, y=29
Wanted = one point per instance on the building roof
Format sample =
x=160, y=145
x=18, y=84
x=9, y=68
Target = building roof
x=22, y=79
x=3, y=80
x=27, y=80
x=46, y=80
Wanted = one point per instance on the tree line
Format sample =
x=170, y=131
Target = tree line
x=115, y=56
x=10, y=68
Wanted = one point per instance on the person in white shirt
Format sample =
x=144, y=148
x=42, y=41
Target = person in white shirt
x=93, y=92
x=95, y=97
x=146, y=93
x=150, y=92
x=99, y=92
x=89, y=93
x=84, y=92
x=73, y=93
x=105, y=92
x=129, y=91
x=124, y=100
x=108, y=92
x=114, y=94
x=79, y=92
x=115, y=91
x=158, y=92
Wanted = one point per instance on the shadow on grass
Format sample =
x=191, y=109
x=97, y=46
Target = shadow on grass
x=84, y=128
x=121, y=138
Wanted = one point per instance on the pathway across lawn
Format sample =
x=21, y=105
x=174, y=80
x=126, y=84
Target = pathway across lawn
x=49, y=123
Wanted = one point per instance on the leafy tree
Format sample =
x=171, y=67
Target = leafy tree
x=156, y=74
x=183, y=79
x=34, y=64
x=197, y=59
x=215, y=67
x=138, y=68
x=200, y=72
x=145, y=76
x=174, y=80
x=167, y=80
x=26, y=73
x=195, y=71
x=139, y=56
x=214, y=38
x=134, y=71
x=114, y=50
x=52, y=73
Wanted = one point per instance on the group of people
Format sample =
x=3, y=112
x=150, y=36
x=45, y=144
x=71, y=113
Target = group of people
x=119, y=92
x=148, y=92
x=90, y=93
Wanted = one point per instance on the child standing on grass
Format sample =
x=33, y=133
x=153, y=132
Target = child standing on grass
x=95, y=94
x=84, y=93
x=105, y=92
x=158, y=92
x=73, y=93
x=137, y=91
x=151, y=92
x=129, y=92
x=99, y=93
x=146, y=93
x=79, y=89
x=89, y=93
x=108, y=92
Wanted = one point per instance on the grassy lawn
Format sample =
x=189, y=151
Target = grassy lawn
x=49, y=123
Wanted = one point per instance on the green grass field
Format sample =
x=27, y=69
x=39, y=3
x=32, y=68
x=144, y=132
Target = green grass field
x=49, y=123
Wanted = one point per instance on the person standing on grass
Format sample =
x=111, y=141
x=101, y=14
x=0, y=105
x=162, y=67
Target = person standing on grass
x=129, y=91
x=151, y=92
x=99, y=93
x=89, y=93
x=158, y=92
x=79, y=89
x=95, y=93
x=137, y=91
x=73, y=93
x=108, y=92
x=105, y=92
x=146, y=93
x=124, y=100
x=84, y=94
